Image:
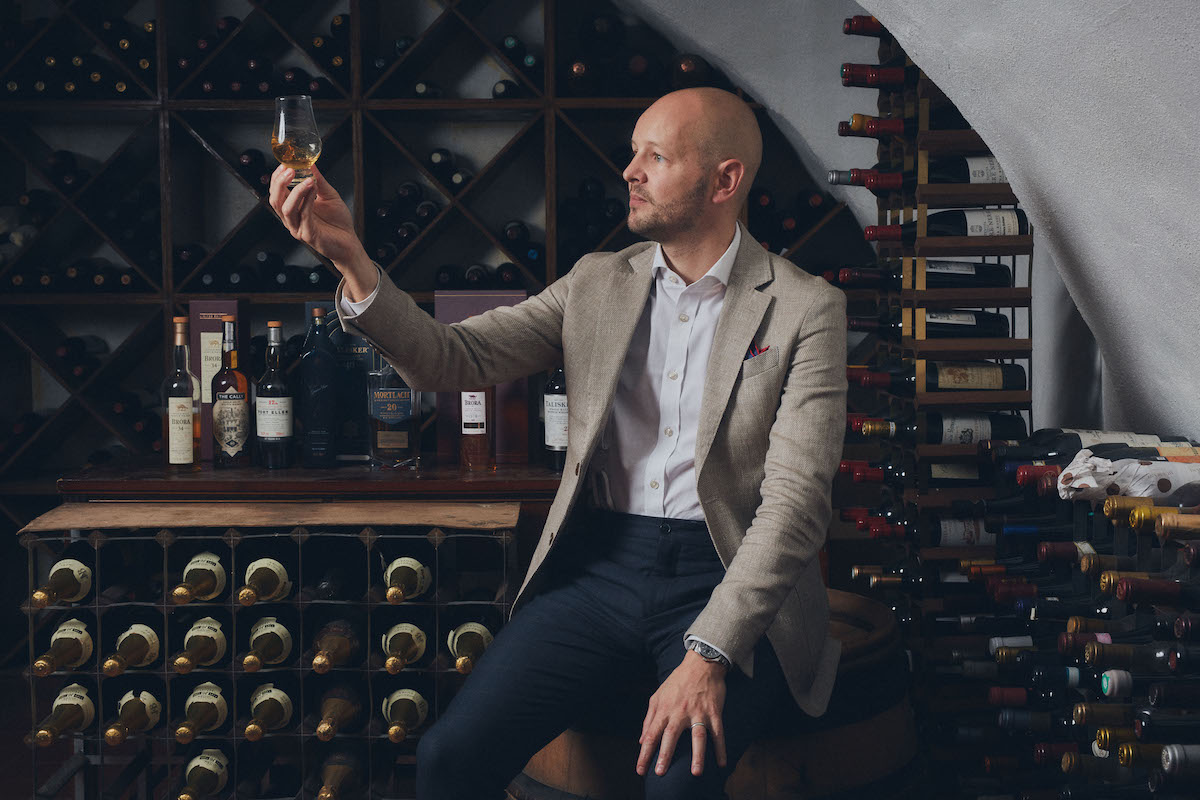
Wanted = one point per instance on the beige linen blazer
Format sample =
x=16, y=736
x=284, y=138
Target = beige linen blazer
x=768, y=442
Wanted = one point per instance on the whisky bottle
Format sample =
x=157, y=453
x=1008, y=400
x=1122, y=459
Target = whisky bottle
x=404, y=711
x=403, y=644
x=73, y=711
x=204, y=710
x=205, y=775
x=554, y=412
x=341, y=776
x=406, y=578
x=466, y=643
x=266, y=581
x=476, y=450
x=70, y=646
x=273, y=406
x=270, y=710
x=137, y=647
x=318, y=395
x=394, y=418
x=270, y=643
x=136, y=713
x=337, y=643
x=69, y=582
x=181, y=399
x=231, y=404
x=203, y=579
x=341, y=707
x=203, y=645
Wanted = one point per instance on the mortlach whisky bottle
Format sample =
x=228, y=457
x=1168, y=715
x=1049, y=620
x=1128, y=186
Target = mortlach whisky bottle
x=394, y=418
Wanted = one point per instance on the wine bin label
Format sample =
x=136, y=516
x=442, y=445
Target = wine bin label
x=231, y=422
x=274, y=417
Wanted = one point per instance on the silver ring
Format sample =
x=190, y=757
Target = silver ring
x=701, y=724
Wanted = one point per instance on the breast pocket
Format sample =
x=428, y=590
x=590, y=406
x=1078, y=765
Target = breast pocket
x=759, y=364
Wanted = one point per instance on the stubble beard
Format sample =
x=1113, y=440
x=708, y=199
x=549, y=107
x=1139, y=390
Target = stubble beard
x=672, y=221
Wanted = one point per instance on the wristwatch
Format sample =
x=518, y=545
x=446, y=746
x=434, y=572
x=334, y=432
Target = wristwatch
x=706, y=651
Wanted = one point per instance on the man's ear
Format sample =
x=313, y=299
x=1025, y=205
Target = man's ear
x=730, y=173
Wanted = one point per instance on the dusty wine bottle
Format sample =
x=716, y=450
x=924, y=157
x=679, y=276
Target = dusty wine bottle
x=404, y=711
x=204, y=710
x=270, y=643
x=137, y=712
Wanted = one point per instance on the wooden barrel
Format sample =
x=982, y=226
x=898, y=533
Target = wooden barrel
x=864, y=738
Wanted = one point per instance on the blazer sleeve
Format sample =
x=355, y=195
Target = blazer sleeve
x=792, y=519
x=499, y=345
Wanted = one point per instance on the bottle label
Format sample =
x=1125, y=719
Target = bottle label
x=1088, y=438
x=474, y=413
x=950, y=267
x=996, y=642
x=212, y=629
x=950, y=317
x=424, y=576
x=1085, y=549
x=213, y=761
x=965, y=533
x=1104, y=638
x=468, y=627
x=231, y=422
x=274, y=417
x=418, y=638
x=77, y=630
x=965, y=429
x=149, y=701
x=179, y=430
x=392, y=405
x=954, y=472
x=985, y=169
x=267, y=626
x=83, y=576
x=985, y=222
x=208, y=693
x=147, y=633
x=278, y=570
x=555, y=408
x=413, y=696
x=76, y=695
x=207, y=562
x=210, y=362
x=967, y=376
x=268, y=692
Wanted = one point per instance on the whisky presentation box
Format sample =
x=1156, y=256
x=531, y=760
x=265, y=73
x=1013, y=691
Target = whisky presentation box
x=355, y=357
x=512, y=398
x=205, y=333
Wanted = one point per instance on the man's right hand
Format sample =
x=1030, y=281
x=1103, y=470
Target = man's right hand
x=315, y=214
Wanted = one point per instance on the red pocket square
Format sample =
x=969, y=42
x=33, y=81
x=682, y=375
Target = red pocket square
x=754, y=351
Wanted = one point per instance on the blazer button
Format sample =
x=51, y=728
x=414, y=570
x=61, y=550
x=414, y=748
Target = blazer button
x=576, y=467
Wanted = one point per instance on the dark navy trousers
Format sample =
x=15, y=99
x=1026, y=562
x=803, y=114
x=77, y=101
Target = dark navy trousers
x=621, y=592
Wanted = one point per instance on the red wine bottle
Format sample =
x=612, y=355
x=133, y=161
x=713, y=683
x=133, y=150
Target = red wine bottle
x=958, y=222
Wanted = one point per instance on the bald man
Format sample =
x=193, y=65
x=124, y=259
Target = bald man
x=706, y=388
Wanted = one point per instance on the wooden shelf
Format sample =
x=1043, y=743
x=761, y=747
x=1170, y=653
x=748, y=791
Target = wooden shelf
x=943, y=246
x=966, y=298
x=965, y=348
x=997, y=400
x=957, y=195
x=948, y=452
x=952, y=143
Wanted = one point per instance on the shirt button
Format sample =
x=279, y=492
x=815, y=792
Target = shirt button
x=673, y=375
x=674, y=279
x=669, y=432
x=683, y=317
x=653, y=484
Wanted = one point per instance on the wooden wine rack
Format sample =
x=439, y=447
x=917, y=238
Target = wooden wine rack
x=181, y=141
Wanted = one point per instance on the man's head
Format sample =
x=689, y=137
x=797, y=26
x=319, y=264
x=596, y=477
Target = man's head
x=695, y=154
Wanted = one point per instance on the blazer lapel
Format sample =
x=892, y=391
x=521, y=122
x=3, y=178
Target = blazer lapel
x=741, y=314
x=615, y=323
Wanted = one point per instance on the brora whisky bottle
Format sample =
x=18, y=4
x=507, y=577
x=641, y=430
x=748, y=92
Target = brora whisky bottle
x=181, y=399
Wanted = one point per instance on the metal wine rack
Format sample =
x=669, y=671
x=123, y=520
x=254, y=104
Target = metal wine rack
x=136, y=551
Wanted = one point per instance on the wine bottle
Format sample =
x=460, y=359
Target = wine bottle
x=336, y=644
x=203, y=645
x=441, y=164
x=505, y=90
x=863, y=25
x=73, y=711
x=319, y=372
x=404, y=711
x=958, y=222
x=403, y=644
x=181, y=398
x=938, y=275
x=937, y=428
x=689, y=70
x=467, y=643
x=270, y=710
x=406, y=578
x=341, y=707
x=137, y=647
x=906, y=127
x=583, y=77
x=949, y=169
x=945, y=377
x=273, y=406
x=270, y=643
x=477, y=429
x=69, y=581
x=137, y=712
x=425, y=212
x=203, y=579
x=426, y=90
x=477, y=276
x=205, y=775
x=204, y=710
x=266, y=582
x=231, y=404
x=341, y=776
x=887, y=77
x=70, y=646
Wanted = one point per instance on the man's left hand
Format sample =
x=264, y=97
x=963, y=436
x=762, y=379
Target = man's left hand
x=694, y=692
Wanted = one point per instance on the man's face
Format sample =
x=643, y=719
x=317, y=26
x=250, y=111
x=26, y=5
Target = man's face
x=668, y=185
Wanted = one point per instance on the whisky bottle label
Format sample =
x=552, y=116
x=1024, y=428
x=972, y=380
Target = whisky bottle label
x=412, y=696
x=267, y=626
x=985, y=169
x=392, y=405
x=468, y=628
x=950, y=267
x=954, y=472
x=207, y=562
x=149, y=701
x=268, y=692
x=76, y=695
x=966, y=376
x=418, y=638
x=474, y=413
x=213, y=761
x=274, y=417
x=208, y=693
x=83, y=576
x=278, y=570
x=555, y=408
x=147, y=633
x=964, y=533
x=983, y=222
x=965, y=429
x=179, y=430
x=210, y=362
x=210, y=628
x=74, y=629
x=231, y=422
x=424, y=576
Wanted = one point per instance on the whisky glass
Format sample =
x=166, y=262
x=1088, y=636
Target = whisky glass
x=295, y=139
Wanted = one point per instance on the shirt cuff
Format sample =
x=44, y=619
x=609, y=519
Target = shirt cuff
x=691, y=639
x=351, y=308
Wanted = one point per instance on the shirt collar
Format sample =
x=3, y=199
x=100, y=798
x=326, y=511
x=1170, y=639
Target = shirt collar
x=720, y=270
